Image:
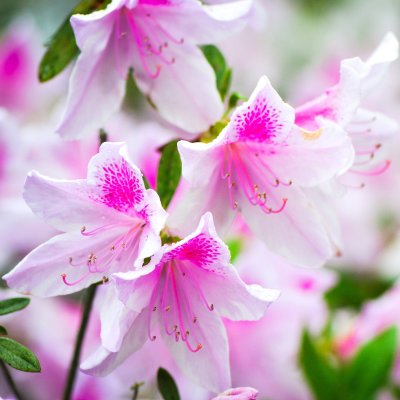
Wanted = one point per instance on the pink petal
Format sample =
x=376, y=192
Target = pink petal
x=40, y=272
x=65, y=204
x=264, y=118
x=102, y=361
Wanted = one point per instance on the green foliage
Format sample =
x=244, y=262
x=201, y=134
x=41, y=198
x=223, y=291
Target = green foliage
x=234, y=99
x=222, y=72
x=319, y=372
x=62, y=48
x=9, y=306
x=370, y=368
x=359, y=379
x=169, y=172
x=3, y=331
x=235, y=247
x=18, y=356
x=166, y=385
x=352, y=290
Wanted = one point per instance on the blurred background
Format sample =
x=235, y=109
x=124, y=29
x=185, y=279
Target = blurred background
x=328, y=321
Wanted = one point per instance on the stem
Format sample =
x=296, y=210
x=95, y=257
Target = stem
x=87, y=306
x=11, y=382
x=135, y=389
x=135, y=392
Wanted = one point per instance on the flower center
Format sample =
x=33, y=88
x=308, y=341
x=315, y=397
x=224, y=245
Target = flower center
x=121, y=250
x=171, y=300
x=152, y=42
x=245, y=169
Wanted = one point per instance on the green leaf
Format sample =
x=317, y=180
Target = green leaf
x=12, y=305
x=3, y=331
x=352, y=290
x=235, y=247
x=166, y=385
x=18, y=356
x=370, y=369
x=222, y=72
x=234, y=99
x=322, y=376
x=169, y=172
x=62, y=48
x=145, y=181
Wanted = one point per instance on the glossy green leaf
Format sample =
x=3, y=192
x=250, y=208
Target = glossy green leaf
x=18, y=356
x=166, y=385
x=62, y=48
x=322, y=377
x=9, y=306
x=169, y=172
x=223, y=73
x=370, y=368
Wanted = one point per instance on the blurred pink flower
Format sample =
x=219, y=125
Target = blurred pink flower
x=341, y=103
x=241, y=393
x=158, y=39
x=264, y=353
x=258, y=166
x=184, y=290
x=112, y=223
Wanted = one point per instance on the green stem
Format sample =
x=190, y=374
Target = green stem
x=87, y=307
x=11, y=382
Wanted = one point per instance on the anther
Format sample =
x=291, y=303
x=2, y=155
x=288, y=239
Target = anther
x=167, y=308
x=194, y=320
x=211, y=307
x=155, y=308
x=83, y=229
x=153, y=338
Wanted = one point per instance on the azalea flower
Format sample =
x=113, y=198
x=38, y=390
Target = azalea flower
x=111, y=223
x=342, y=104
x=158, y=39
x=258, y=166
x=184, y=291
x=241, y=393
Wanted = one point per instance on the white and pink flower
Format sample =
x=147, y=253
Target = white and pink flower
x=111, y=223
x=159, y=40
x=181, y=296
x=342, y=103
x=258, y=166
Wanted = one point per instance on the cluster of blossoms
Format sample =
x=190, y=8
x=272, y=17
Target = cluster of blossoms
x=273, y=169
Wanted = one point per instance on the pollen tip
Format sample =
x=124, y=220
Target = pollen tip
x=83, y=229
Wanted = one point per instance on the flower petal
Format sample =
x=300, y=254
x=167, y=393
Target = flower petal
x=313, y=157
x=116, y=181
x=263, y=118
x=192, y=107
x=208, y=367
x=102, y=361
x=96, y=87
x=115, y=317
x=201, y=23
x=237, y=301
x=40, y=272
x=65, y=204
x=297, y=233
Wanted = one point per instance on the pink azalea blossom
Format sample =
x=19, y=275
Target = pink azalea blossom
x=341, y=103
x=241, y=393
x=111, y=224
x=264, y=353
x=158, y=39
x=258, y=166
x=184, y=291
